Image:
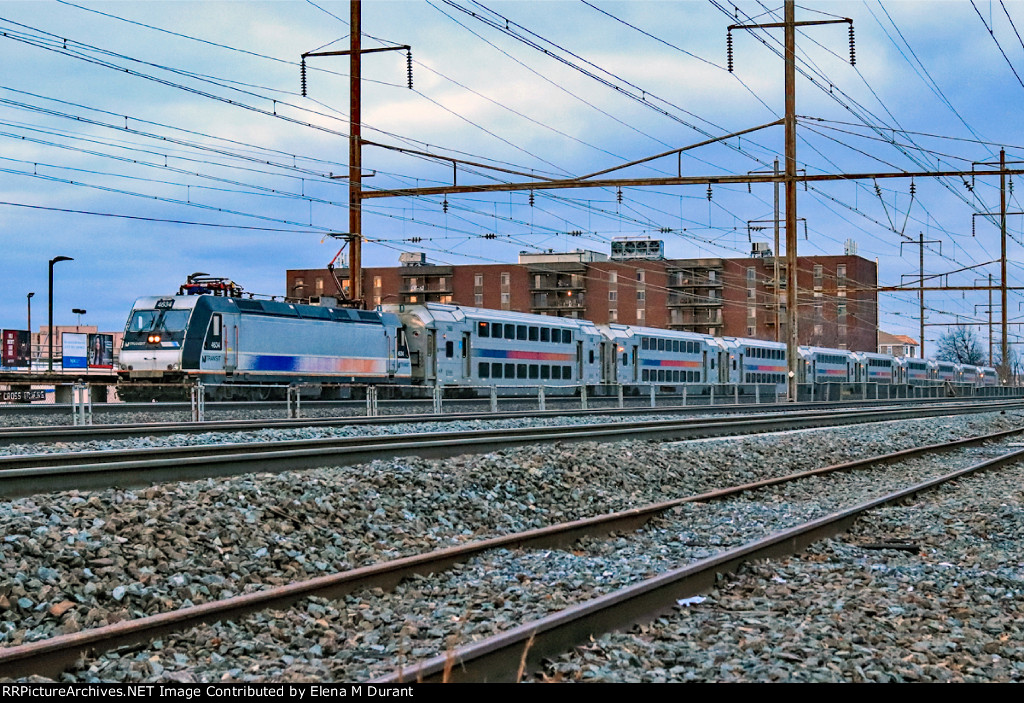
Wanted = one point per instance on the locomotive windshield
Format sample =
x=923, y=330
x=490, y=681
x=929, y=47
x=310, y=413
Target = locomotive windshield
x=156, y=327
x=158, y=321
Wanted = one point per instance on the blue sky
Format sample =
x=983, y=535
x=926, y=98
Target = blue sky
x=150, y=140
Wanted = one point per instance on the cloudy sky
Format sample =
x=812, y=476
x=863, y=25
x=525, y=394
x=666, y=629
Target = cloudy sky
x=150, y=140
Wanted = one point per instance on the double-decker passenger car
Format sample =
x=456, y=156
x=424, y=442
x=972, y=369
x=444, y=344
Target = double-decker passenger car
x=821, y=365
x=665, y=357
x=753, y=361
x=874, y=368
x=454, y=345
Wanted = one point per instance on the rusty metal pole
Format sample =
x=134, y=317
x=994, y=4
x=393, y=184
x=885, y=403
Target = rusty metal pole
x=1004, y=366
x=791, y=238
x=355, y=157
x=778, y=302
x=921, y=292
x=990, y=320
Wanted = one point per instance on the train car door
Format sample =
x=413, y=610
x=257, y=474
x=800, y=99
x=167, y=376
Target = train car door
x=738, y=366
x=431, y=368
x=579, y=361
x=229, y=341
x=467, y=357
x=723, y=367
x=608, y=370
x=636, y=362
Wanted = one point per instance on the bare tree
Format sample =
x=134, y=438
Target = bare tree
x=961, y=345
x=1014, y=365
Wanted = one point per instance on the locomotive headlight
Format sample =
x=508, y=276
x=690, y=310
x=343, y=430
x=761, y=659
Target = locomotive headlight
x=153, y=339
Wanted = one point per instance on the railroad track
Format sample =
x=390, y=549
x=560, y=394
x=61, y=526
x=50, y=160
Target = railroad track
x=29, y=474
x=88, y=433
x=501, y=658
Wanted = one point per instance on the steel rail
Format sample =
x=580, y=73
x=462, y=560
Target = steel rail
x=498, y=658
x=22, y=475
x=52, y=656
x=44, y=433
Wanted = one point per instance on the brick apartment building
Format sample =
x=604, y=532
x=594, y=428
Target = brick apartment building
x=724, y=297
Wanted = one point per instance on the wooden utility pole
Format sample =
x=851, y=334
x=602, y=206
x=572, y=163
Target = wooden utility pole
x=355, y=156
x=1004, y=365
x=354, y=236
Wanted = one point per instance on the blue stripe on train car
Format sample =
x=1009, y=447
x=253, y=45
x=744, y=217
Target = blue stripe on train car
x=267, y=362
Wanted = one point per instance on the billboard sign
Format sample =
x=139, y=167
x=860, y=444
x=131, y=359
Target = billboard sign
x=101, y=351
x=15, y=351
x=74, y=348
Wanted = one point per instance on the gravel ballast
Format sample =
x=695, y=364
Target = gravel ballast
x=75, y=561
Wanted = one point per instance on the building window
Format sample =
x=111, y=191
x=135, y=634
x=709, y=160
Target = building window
x=751, y=294
x=478, y=280
x=641, y=275
x=538, y=281
x=377, y=282
x=817, y=275
x=613, y=278
x=640, y=315
x=443, y=283
x=505, y=277
x=505, y=301
x=319, y=286
x=613, y=295
x=751, y=331
x=841, y=275
x=752, y=312
x=751, y=275
x=478, y=299
x=613, y=315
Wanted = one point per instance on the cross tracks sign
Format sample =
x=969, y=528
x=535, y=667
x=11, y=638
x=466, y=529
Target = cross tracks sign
x=22, y=396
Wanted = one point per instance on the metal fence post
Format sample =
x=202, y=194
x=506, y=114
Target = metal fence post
x=541, y=405
x=198, y=396
x=736, y=394
x=654, y=401
x=711, y=395
x=294, y=404
x=438, y=392
x=619, y=393
x=81, y=404
x=684, y=396
x=583, y=398
x=371, y=401
x=494, y=399
x=757, y=394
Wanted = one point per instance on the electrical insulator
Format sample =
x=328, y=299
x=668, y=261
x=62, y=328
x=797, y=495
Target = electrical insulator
x=853, y=52
x=968, y=186
x=1011, y=185
x=619, y=195
x=878, y=191
x=444, y=205
x=302, y=76
x=728, y=49
x=531, y=198
x=913, y=189
x=709, y=192
x=408, y=66
x=973, y=226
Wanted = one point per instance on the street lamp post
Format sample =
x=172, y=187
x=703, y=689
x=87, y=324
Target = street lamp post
x=28, y=299
x=49, y=326
x=79, y=312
